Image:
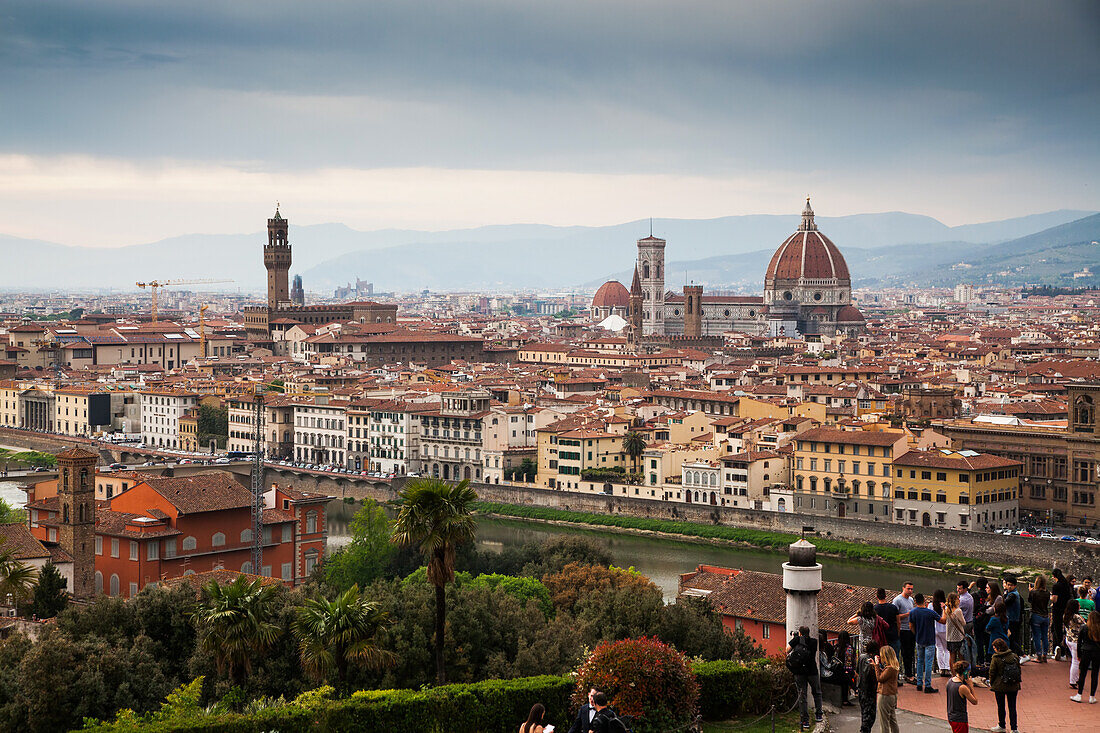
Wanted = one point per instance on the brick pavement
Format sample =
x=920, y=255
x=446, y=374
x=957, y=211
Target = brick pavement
x=1043, y=704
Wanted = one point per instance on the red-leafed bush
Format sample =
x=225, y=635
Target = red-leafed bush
x=644, y=678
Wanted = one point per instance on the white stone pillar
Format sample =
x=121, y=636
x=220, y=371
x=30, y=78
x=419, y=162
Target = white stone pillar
x=802, y=583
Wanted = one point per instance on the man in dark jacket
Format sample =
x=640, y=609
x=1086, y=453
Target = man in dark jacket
x=867, y=687
x=806, y=674
x=585, y=715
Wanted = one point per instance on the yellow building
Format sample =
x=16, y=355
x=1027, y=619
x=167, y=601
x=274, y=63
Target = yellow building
x=189, y=431
x=845, y=473
x=956, y=490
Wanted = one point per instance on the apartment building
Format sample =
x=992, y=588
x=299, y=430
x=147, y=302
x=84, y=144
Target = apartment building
x=956, y=490
x=161, y=410
x=278, y=425
x=845, y=473
x=383, y=436
x=451, y=435
x=320, y=432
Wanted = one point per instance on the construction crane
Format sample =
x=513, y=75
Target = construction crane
x=259, y=390
x=155, y=285
x=202, y=330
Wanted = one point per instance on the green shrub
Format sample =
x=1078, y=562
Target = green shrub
x=493, y=706
x=727, y=689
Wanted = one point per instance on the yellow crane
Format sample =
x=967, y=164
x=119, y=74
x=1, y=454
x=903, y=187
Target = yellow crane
x=155, y=285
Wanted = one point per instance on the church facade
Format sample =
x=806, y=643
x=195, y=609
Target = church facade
x=807, y=291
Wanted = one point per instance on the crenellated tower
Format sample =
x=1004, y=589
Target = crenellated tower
x=277, y=259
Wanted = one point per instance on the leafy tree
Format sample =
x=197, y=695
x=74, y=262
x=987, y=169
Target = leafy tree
x=367, y=557
x=49, y=598
x=573, y=582
x=436, y=517
x=634, y=445
x=10, y=514
x=335, y=634
x=213, y=425
x=16, y=577
x=695, y=628
x=234, y=624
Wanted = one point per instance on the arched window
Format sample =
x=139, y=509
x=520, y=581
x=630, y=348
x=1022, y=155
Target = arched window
x=98, y=582
x=217, y=539
x=246, y=535
x=246, y=566
x=645, y=270
x=66, y=514
x=1083, y=410
x=781, y=505
x=190, y=543
x=114, y=585
x=714, y=479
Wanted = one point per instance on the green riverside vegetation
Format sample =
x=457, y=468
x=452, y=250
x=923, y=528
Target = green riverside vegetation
x=754, y=537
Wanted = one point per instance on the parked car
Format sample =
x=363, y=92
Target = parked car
x=1092, y=541
x=1024, y=534
x=221, y=460
x=1068, y=538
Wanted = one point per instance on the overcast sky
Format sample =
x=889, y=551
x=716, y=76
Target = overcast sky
x=125, y=122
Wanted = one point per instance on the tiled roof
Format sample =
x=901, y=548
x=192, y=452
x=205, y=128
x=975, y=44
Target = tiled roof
x=851, y=437
x=18, y=540
x=203, y=492
x=754, y=595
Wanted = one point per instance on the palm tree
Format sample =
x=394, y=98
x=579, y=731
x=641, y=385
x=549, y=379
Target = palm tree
x=17, y=579
x=234, y=624
x=634, y=445
x=437, y=516
x=333, y=634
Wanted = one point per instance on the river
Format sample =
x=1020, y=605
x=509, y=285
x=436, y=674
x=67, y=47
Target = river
x=663, y=560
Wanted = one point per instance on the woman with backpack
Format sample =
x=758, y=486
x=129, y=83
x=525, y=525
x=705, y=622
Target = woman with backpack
x=866, y=619
x=1088, y=651
x=1004, y=680
x=1071, y=629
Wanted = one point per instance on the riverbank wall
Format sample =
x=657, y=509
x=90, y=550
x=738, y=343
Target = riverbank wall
x=1077, y=557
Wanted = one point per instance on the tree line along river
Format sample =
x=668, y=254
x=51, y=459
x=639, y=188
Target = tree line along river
x=663, y=560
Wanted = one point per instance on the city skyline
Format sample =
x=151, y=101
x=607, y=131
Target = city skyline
x=143, y=123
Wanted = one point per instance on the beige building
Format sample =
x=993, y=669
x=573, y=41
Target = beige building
x=845, y=473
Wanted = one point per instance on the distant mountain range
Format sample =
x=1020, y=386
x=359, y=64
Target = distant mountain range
x=725, y=252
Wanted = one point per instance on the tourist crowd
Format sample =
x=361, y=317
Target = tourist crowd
x=974, y=636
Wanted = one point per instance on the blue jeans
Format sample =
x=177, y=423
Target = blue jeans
x=925, y=660
x=1039, y=640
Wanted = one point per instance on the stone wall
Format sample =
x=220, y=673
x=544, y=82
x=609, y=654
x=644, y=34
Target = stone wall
x=1080, y=558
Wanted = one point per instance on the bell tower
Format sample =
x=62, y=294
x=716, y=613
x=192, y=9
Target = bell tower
x=693, y=311
x=277, y=261
x=76, y=530
x=651, y=266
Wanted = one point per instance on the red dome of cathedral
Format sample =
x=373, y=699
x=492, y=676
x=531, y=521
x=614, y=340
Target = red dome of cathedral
x=611, y=294
x=849, y=314
x=807, y=254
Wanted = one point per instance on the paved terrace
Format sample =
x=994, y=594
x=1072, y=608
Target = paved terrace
x=1043, y=706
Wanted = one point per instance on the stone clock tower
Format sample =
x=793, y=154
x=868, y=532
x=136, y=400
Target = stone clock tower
x=76, y=530
x=277, y=261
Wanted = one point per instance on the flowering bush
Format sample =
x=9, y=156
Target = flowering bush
x=644, y=678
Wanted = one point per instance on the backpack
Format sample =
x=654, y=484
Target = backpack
x=1010, y=673
x=878, y=633
x=801, y=659
x=615, y=724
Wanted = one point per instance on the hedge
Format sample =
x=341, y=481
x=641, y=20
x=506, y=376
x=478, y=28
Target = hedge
x=755, y=537
x=726, y=689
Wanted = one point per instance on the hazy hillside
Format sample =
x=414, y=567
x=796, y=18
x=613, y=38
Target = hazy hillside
x=504, y=256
